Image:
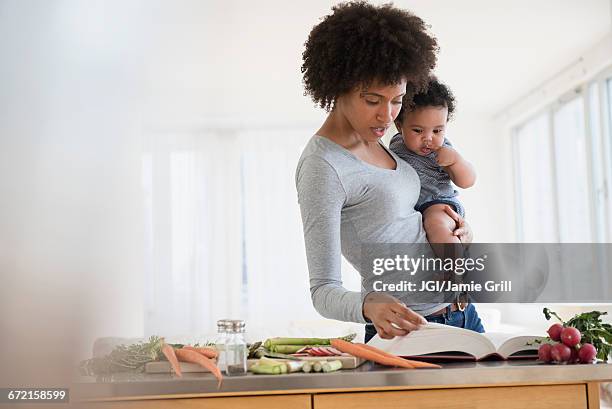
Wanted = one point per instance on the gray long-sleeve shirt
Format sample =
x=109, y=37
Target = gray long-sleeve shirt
x=346, y=202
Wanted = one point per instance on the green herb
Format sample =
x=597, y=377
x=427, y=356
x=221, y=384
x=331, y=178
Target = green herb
x=593, y=330
x=124, y=358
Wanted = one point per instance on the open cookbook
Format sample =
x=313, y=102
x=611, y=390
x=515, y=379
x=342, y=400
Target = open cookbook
x=439, y=341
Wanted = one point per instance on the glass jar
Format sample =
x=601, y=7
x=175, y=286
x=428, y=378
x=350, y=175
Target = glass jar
x=220, y=343
x=235, y=348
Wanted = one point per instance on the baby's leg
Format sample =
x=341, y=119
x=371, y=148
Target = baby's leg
x=439, y=226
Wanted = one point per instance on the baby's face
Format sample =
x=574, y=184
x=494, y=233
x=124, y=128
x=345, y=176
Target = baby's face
x=423, y=129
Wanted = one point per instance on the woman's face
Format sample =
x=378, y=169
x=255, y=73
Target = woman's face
x=371, y=111
x=423, y=129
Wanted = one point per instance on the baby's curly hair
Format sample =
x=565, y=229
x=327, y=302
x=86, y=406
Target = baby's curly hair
x=359, y=43
x=436, y=95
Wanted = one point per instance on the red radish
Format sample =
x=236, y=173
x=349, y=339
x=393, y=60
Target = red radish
x=587, y=353
x=554, y=332
x=573, y=356
x=544, y=353
x=560, y=353
x=570, y=336
x=316, y=351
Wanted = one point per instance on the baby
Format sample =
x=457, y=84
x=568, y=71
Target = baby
x=421, y=142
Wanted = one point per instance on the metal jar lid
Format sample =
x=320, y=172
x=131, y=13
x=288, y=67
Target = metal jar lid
x=235, y=326
x=222, y=325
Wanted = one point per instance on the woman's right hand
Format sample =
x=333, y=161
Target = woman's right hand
x=390, y=317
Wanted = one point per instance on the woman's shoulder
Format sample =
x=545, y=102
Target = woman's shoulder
x=323, y=154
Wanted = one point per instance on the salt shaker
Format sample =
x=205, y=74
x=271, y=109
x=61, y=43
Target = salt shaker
x=220, y=342
x=235, y=348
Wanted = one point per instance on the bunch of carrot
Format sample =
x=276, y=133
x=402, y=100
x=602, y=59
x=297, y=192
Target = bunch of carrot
x=199, y=355
x=378, y=355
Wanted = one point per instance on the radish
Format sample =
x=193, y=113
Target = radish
x=587, y=353
x=570, y=336
x=544, y=353
x=554, y=332
x=560, y=353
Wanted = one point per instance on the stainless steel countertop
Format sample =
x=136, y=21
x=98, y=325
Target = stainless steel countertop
x=367, y=376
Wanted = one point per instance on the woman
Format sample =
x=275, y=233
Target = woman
x=358, y=64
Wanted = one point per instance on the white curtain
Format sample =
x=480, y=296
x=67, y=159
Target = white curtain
x=275, y=260
x=192, y=221
x=223, y=231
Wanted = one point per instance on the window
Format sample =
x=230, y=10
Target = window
x=572, y=181
x=563, y=168
x=534, y=173
x=223, y=230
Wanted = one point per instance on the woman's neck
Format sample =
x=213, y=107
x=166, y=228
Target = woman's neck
x=338, y=129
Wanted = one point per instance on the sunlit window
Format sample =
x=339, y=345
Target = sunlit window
x=563, y=169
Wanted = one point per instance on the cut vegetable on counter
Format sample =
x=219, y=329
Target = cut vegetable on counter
x=136, y=357
x=379, y=356
x=293, y=345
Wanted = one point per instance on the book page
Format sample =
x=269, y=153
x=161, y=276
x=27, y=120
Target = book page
x=434, y=338
x=519, y=344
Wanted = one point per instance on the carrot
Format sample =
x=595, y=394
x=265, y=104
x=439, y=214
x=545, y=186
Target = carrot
x=416, y=364
x=358, y=350
x=170, y=355
x=185, y=355
x=207, y=352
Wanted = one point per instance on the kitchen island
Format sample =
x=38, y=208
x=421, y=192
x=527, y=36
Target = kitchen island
x=492, y=384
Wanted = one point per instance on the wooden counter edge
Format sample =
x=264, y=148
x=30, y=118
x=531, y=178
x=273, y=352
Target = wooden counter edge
x=592, y=391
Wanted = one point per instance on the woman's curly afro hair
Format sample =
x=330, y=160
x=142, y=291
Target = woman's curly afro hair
x=359, y=43
x=435, y=95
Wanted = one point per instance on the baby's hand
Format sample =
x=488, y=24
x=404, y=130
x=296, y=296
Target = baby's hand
x=446, y=156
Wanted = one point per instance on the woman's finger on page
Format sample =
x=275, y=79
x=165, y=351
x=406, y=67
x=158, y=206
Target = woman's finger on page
x=395, y=330
x=408, y=314
x=382, y=333
x=399, y=322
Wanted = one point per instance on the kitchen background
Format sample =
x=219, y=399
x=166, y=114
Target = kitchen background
x=148, y=150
